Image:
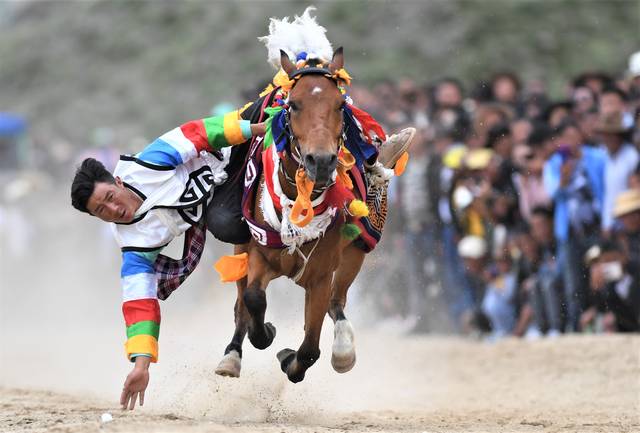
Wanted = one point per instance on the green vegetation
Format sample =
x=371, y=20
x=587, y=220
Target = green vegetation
x=143, y=67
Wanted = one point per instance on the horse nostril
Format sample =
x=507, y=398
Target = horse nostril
x=309, y=160
x=333, y=161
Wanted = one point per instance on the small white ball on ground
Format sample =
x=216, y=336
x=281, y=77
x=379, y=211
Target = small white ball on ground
x=106, y=417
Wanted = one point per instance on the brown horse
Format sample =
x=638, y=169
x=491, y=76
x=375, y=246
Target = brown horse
x=316, y=126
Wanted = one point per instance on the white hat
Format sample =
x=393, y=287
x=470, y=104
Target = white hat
x=472, y=247
x=634, y=65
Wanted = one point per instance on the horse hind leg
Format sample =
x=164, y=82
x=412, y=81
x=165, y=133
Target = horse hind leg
x=296, y=363
x=343, y=352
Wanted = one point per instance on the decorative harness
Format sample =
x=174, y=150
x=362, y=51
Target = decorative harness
x=279, y=233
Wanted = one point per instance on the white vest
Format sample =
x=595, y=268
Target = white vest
x=174, y=198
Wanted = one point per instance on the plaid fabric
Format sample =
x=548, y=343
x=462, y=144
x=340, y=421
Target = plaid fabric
x=171, y=272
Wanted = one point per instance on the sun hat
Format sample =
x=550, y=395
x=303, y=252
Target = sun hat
x=627, y=202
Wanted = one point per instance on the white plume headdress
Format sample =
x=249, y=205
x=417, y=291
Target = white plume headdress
x=303, y=34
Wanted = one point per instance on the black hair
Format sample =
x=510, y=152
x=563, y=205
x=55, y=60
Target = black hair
x=609, y=246
x=451, y=80
x=540, y=133
x=509, y=76
x=617, y=90
x=565, y=124
x=89, y=172
x=497, y=132
x=544, y=211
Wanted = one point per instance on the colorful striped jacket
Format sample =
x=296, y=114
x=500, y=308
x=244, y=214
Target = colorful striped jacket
x=171, y=164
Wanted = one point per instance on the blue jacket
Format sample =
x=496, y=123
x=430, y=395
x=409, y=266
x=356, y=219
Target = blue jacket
x=593, y=163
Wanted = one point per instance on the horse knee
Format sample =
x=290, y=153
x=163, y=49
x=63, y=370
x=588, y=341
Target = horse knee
x=255, y=300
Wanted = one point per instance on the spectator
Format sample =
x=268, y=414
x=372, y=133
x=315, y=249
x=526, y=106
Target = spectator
x=557, y=112
x=473, y=251
x=448, y=93
x=627, y=210
x=498, y=303
x=573, y=178
x=545, y=289
x=529, y=182
x=616, y=290
x=505, y=89
x=622, y=160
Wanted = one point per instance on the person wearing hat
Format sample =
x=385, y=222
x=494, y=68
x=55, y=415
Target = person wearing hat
x=627, y=211
x=621, y=161
x=615, y=289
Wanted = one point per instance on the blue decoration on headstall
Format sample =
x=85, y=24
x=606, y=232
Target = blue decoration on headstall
x=280, y=135
x=356, y=144
x=302, y=55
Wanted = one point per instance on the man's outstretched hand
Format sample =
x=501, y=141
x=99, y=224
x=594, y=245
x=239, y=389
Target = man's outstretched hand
x=136, y=383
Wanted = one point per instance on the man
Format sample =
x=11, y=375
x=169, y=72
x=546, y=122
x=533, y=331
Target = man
x=622, y=160
x=152, y=198
x=573, y=178
x=161, y=193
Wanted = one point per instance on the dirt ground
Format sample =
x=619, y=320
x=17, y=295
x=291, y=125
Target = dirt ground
x=62, y=364
x=411, y=384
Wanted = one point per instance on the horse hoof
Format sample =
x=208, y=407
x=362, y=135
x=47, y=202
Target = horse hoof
x=286, y=357
x=343, y=365
x=230, y=365
x=270, y=330
x=343, y=353
x=263, y=341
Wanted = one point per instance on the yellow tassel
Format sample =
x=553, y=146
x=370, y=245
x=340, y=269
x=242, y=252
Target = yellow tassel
x=282, y=79
x=358, y=208
x=232, y=268
x=342, y=74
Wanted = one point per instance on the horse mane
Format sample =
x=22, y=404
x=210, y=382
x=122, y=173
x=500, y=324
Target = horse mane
x=303, y=34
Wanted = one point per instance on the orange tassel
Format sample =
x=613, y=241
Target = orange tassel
x=232, y=268
x=346, y=161
x=302, y=211
x=401, y=164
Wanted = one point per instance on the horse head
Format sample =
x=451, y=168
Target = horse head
x=315, y=116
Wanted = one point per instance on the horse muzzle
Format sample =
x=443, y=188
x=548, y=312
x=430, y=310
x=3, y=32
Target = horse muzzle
x=320, y=167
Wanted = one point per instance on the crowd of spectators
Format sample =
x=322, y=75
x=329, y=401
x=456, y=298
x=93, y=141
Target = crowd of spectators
x=521, y=210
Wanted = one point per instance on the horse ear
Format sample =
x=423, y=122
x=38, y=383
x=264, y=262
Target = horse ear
x=286, y=63
x=337, y=62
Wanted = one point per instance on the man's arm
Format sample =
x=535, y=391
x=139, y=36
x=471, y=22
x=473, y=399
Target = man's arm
x=141, y=312
x=187, y=141
x=140, y=305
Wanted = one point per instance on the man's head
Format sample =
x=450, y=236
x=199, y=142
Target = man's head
x=612, y=100
x=542, y=225
x=95, y=191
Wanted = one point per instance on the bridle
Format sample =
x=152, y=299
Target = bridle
x=292, y=149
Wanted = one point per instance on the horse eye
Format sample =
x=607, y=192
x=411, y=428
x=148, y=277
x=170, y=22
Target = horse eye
x=294, y=106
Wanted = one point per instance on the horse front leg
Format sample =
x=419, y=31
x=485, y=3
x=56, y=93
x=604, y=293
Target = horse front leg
x=261, y=334
x=295, y=363
x=343, y=351
x=231, y=362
